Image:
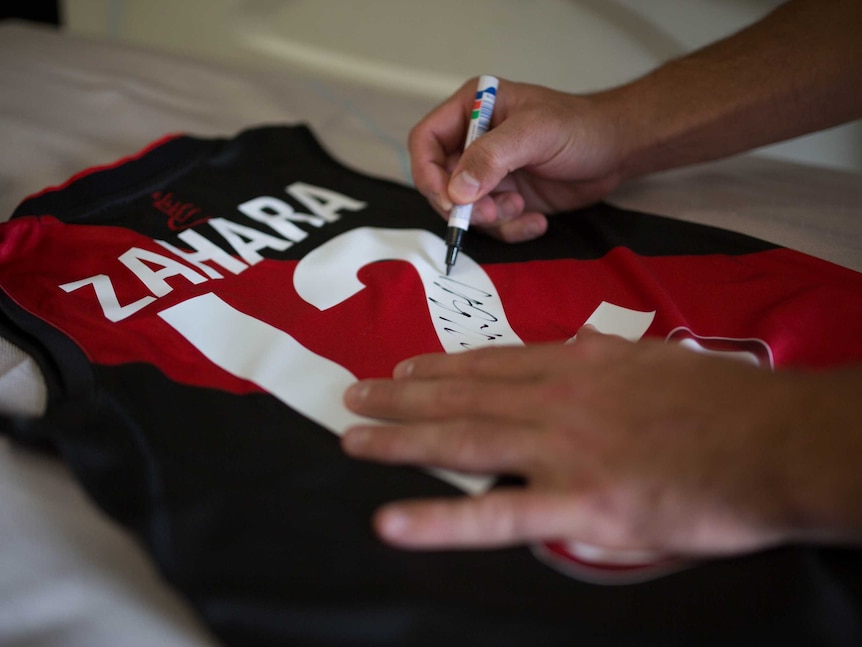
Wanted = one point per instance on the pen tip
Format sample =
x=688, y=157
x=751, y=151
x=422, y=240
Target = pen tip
x=448, y=269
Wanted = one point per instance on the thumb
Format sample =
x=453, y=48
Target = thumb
x=488, y=160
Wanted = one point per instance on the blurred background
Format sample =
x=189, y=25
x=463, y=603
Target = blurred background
x=428, y=48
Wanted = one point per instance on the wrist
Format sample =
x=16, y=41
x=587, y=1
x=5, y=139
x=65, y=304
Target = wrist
x=821, y=455
x=636, y=141
x=672, y=118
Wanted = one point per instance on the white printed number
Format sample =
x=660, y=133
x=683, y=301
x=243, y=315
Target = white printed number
x=466, y=313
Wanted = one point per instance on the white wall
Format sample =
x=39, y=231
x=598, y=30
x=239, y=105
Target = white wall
x=428, y=47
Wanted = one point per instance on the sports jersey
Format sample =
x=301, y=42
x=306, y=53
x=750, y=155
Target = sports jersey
x=199, y=308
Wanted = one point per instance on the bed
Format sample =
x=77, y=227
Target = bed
x=68, y=576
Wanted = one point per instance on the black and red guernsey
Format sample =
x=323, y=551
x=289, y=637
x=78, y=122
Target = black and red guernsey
x=197, y=310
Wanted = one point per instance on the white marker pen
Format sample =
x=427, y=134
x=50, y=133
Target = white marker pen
x=480, y=121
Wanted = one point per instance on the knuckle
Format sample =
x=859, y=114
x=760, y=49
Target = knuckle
x=478, y=361
x=516, y=524
x=559, y=390
x=500, y=518
x=464, y=443
x=617, y=522
x=384, y=398
x=485, y=158
x=454, y=396
x=417, y=136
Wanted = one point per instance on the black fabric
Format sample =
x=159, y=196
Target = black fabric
x=41, y=11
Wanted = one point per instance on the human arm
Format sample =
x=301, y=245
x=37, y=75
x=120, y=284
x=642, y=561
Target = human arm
x=793, y=72
x=645, y=446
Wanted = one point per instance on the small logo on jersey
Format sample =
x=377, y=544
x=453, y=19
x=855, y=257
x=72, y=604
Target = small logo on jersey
x=181, y=215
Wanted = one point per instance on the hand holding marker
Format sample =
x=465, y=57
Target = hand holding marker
x=480, y=121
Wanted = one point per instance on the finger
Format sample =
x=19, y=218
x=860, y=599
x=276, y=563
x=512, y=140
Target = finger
x=520, y=363
x=408, y=400
x=499, y=518
x=496, y=208
x=527, y=226
x=434, y=190
x=493, y=156
x=589, y=331
x=502, y=215
x=591, y=346
x=481, y=168
x=432, y=142
x=461, y=444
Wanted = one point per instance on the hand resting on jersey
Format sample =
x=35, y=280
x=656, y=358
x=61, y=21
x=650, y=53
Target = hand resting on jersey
x=627, y=446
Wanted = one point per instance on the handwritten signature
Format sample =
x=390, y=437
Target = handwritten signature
x=468, y=311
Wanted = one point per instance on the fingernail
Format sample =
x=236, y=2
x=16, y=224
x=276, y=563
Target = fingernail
x=507, y=208
x=403, y=369
x=357, y=393
x=441, y=202
x=532, y=230
x=355, y=439
x=393, y=524
x=464, y=187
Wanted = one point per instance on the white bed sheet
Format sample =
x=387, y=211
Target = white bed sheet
x=67, y=575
